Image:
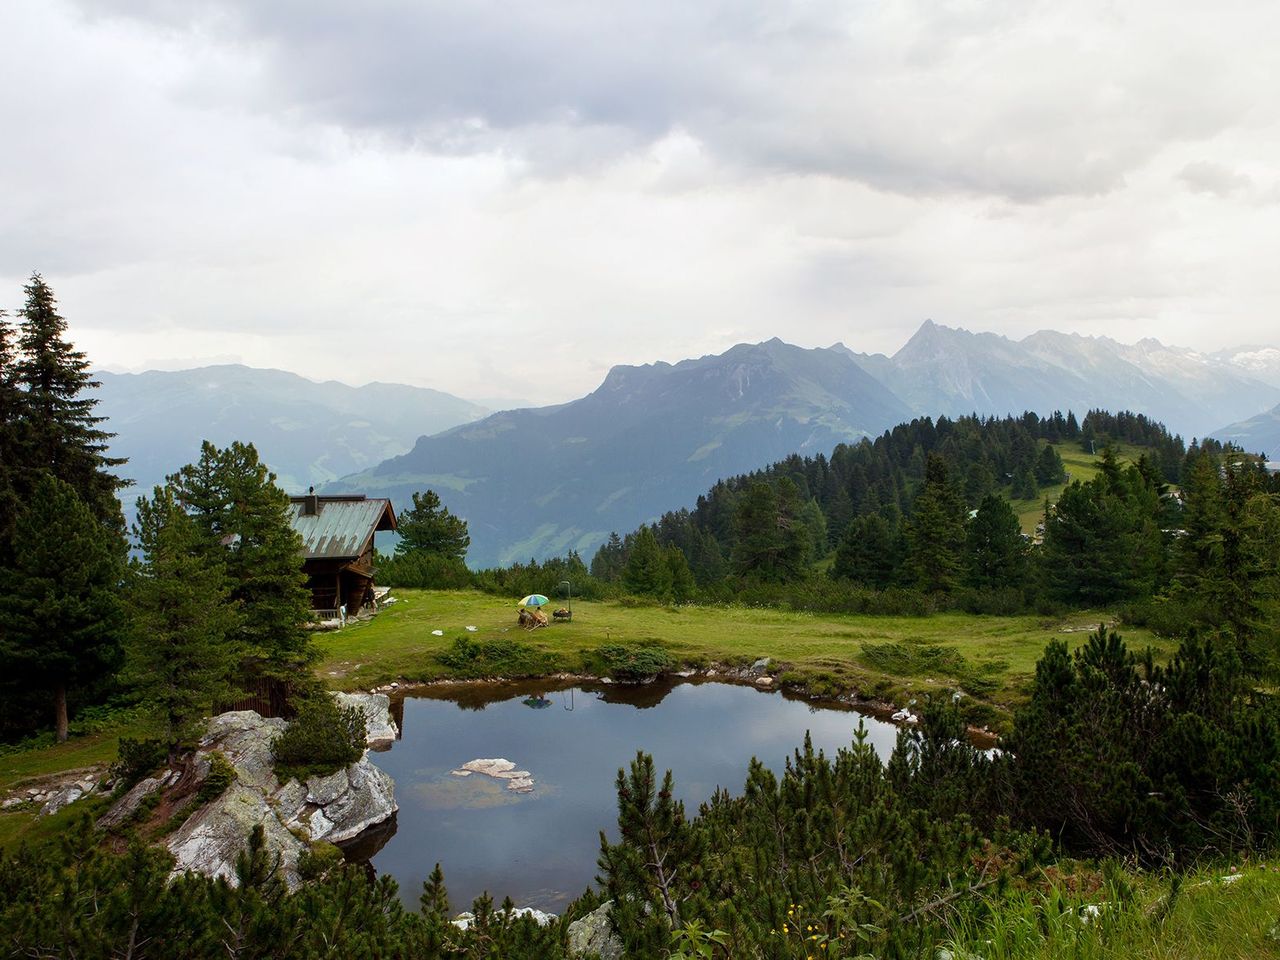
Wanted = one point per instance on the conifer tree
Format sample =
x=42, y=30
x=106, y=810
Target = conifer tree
x=647, y=572
x=867, y=554
x=60, y=607
x=243, y=519
x=182, y=652
x=12, y=402
x=1049, y=467
x=995, y=551
x=935, y=534
x=683, y=584
x=609, y=560
x=60, y=432
x=772, y=544
x=429, y=527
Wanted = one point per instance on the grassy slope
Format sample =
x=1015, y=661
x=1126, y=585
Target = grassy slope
x=398, y=644
x=1080, y=466
x=1210, y=920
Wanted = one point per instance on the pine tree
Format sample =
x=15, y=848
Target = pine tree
x=683, y=586
x=243, y=519
x=867, y=554
x=609, y=560
x=1049, y=468
x=772, y=544
x=431, y=528
x=12, y=404
x=647, y=574
x=60, y=432
x=935, y=534
x=60, y=607
x=182, y=653
x=995, y=550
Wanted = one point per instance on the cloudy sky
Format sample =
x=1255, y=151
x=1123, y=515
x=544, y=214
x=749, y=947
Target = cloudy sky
x=505, y=199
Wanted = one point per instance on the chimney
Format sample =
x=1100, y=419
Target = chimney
x=310, y=503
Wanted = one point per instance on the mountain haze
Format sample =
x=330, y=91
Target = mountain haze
x=307, y=432
x=544, y=481
x=1259, y=434
x=950, y=371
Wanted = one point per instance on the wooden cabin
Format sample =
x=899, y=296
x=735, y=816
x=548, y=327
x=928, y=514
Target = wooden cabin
x=337, y=547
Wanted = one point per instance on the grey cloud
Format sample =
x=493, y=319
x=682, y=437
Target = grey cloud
x=910, y=97
x=1206, y=177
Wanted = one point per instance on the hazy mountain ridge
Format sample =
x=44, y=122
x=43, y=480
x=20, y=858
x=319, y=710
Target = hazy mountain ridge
x=1258, y=434
x=307, y=432
x=538, y=482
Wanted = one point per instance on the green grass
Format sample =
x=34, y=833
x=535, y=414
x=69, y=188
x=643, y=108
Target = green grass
x=1209, y=920
x=879, y=656
x=1080, y=466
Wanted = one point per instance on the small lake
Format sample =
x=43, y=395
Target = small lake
x=540, y=847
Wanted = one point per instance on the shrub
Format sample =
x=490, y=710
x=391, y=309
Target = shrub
x=480, y=659
x=430, y=571
x=136, y=759
x=633, y=664
x=318, y=859
x=221, y=775
x=321, y=739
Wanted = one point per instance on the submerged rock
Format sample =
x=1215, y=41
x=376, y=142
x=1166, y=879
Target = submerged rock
x=593, y=935
x=521, y=781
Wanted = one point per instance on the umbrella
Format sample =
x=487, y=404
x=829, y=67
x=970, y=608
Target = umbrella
x=533, y=600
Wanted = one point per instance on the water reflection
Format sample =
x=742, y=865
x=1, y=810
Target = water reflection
x=541, y=847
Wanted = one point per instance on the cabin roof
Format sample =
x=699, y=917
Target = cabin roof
x=340, y=526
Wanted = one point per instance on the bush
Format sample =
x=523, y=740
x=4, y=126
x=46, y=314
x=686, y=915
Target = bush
x=431, y=571
x=136, y=759
x=633, y=664
x=221, y=775
x=318, y=859
x=481, y=659
x=321, y=739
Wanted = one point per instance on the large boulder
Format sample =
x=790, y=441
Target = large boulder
x=381, y=730
x=336, y=807
x=593, y=935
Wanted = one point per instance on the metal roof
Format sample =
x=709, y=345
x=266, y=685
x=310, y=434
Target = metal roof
x=341, y=526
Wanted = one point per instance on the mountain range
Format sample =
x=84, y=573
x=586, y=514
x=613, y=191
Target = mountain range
x=307, y=432
x=540, y=481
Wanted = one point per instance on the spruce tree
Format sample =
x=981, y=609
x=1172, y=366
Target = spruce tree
x=995, y=551
x=935, y=534
x=12, y=404
x=182, y=652
x=60, y=432
x=647, y=573
x=683, y=584
x=772, y=544
x=867, y=554
x=429, y=527
x=60, y=607
x=1049, y=468
x=244, y=522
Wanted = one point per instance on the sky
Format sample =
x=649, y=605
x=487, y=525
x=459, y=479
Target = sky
x=505, y=200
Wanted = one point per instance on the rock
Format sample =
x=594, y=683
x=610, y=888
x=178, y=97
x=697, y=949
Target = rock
x=593, y=935
x=124, y=808
x=464, y=920
x=13, y=802
x=350, y=801
x=761, y=664
x=520, y=781
x=213, y=837
x=60, y=799
x=336, y=807
x=764, y=681
x=380, y=729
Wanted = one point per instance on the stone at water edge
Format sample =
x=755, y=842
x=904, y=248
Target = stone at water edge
x=464, y=920
x=380, y=729
x=518, y=781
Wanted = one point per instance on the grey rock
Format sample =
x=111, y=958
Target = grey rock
x=381, y=729
x=337, y=807
x=12, y=802
x=124, y=808
x=761, y=664
x=464, y=920
x=61, y=798
x=213, y=837
x=593, y=935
